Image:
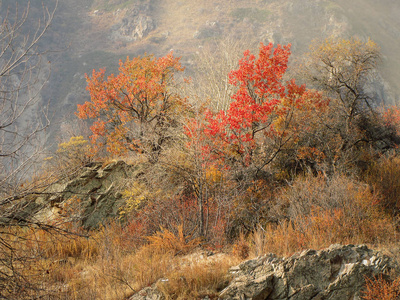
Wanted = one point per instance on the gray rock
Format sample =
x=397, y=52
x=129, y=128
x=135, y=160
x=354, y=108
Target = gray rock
x=136, y=24
x=94, y=193
x=335, y=273
x=148, y=293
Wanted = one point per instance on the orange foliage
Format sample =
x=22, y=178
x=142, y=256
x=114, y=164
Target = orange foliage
x=133, y=109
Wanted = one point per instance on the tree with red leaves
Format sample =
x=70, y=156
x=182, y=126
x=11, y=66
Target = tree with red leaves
x=266, y=116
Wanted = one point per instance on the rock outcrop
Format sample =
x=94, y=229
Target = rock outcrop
x=92, y=197
x=148, y=293
x=335, y=273
x=136, y=23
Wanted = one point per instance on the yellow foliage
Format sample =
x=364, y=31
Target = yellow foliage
x=74, y=143
x=213, y=175
x=76, y=151
x=339, y=50
x=136, y=197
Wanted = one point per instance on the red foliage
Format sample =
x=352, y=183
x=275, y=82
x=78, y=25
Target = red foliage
x=265, y=110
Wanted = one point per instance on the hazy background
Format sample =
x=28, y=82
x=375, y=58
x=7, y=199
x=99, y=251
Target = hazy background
x=94, y=34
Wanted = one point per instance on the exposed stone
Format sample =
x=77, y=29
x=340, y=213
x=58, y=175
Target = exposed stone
x=135, y=25
x=148, y=293
x=209, y=30
x=335, y=273
x=94, y=194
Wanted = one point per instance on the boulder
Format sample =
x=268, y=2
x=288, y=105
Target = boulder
x=92, y=197
x=335, y=273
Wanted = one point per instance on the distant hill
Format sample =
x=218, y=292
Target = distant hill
x=93, y=34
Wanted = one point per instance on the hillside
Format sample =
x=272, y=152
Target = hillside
x=162, y=177
x=95, y=34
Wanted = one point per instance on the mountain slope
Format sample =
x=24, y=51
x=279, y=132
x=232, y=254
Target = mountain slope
x=93, y=34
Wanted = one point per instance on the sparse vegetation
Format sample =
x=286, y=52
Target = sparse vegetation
x=281, y=168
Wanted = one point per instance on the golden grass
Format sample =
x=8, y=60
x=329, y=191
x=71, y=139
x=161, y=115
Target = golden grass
x=110, y=264
x=179, y=243
x=197, y=280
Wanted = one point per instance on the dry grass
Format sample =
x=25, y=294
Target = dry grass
x=166, y=241
x=381, y=288
x=316, y=213
x=241, y=247
x=108, y=265
x=198, y=279
x=384, y=176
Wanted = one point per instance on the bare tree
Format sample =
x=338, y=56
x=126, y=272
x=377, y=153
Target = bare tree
x=23, y=73
x=343, y=68
x=213, y=63
x=23, y=119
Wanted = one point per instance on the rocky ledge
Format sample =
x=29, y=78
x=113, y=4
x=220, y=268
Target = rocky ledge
x=90, y=198
x=336, y=273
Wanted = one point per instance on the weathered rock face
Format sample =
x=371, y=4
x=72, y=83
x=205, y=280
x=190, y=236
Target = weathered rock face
x=135, y=25
x=336, y=273
x=92, y=197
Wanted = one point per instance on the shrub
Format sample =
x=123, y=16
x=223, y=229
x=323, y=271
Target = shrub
x=179, y=243
x=315, y=213
x=241, y=247
x=381, y=288
x=384, y=176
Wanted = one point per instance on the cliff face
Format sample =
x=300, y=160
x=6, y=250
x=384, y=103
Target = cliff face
x=94, y=34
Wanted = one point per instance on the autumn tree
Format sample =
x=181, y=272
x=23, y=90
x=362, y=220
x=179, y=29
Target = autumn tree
x=24, y=70
x=232, y=150
x=264, y=118
x=137, y=109
x=342, y=69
